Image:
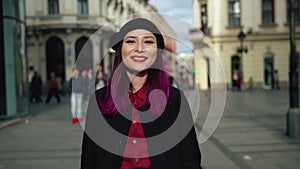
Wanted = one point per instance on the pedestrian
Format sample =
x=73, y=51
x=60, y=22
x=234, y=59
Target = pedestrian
x=77, y=91
x=250, y=83
x=235, y=79
x=101, y=77
x=128, y=102
x=36, y=88
x=276, y=80
x=239, y=81
x=90, y=81
x=53, y=88
x=84, y=76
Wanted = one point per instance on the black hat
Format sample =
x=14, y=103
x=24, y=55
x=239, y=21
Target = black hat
x=139, y=23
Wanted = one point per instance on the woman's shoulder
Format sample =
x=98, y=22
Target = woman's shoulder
x=174, y=91
x=101, y=92
x=174, y=94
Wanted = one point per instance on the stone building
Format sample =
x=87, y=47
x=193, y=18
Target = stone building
x=249, y=36
x=58, y=30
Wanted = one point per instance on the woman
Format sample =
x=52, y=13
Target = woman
x=138, y=103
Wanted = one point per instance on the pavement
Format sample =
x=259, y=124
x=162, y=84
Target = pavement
x=251, y=135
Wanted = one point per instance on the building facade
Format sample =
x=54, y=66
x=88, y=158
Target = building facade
x=58, y=30
x=250, y=36
x=13, y=60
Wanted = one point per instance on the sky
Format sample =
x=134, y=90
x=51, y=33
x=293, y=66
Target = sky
x=183, y=19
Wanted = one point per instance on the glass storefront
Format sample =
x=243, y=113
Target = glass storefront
x=14, y=85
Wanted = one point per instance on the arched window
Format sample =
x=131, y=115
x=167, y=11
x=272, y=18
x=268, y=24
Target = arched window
x=82, y=7
x=55, y=57
x=53, y=7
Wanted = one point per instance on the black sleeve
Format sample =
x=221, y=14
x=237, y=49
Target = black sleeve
x=190, y=150
x=87, y=152
x=93, y=156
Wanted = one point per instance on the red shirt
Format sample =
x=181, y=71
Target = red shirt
x=136, y=145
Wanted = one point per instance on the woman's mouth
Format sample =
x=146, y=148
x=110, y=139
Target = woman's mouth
x=138, y=58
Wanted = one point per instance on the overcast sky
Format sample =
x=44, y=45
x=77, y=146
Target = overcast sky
x=182, y=9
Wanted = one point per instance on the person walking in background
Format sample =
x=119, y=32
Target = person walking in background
x=78, y=86
x=130, y=93
x=89, y=83
x=53, y=88
x=276, y=80
x=101, y=77
x=239, y=81
x=36, y=88
x=250, y=83
x=84, y=76
x=235, y=79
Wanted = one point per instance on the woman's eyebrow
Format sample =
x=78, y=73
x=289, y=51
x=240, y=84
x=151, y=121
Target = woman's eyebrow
x=127, y=37
x=149, y=37
x=146, y=37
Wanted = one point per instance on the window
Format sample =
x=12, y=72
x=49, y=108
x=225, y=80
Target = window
x=296, y=11
x=267, y=12
x=234, y=13
x=82, y=7
x=53, y=7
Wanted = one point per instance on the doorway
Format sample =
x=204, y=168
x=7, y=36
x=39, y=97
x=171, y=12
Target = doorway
x=55, y=58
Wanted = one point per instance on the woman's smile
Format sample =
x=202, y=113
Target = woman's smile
x=137, y=58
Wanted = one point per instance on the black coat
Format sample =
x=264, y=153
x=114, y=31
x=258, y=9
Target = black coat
x=184, y=155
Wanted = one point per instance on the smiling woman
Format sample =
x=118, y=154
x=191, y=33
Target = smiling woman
x=128, y=108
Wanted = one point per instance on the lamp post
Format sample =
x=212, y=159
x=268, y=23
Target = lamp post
x=241, y=36
x=293, y=115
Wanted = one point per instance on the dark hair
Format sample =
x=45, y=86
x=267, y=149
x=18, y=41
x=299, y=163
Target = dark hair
x=156, y=79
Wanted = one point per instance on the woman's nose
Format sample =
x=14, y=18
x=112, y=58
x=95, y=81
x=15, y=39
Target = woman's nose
x=139, y=46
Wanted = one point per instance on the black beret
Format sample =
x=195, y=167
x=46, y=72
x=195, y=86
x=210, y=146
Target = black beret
x=139, y=23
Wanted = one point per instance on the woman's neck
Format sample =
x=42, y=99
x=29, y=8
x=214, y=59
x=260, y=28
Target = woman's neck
x=137, y=80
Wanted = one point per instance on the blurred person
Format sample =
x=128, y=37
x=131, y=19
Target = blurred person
x=276, y=79
x=239, y=81
x=250, y=83
x=89, y=83
x=101, y=77
x=53, y=88
x=78, y=86
x=138, y=47
x=84, y=75
x=235, y=79
x=36, y=88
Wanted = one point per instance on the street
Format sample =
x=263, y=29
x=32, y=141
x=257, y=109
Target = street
x=251, y=135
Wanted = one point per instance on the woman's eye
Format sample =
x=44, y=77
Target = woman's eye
x=149, y=41
x=130, y=41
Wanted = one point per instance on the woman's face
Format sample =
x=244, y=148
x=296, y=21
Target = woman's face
x=139, y=50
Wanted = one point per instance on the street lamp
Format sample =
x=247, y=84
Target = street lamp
x=241, y=49
x=293, y=115
x=241, y=36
